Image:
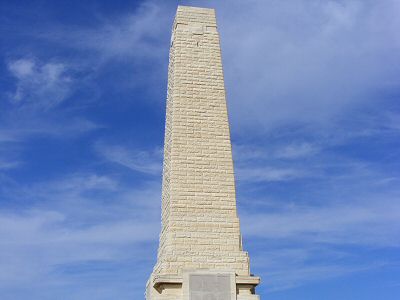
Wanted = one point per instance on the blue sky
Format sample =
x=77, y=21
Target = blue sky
x=313, y=97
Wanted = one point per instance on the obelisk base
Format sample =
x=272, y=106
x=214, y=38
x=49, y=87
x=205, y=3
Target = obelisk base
x=202, y=284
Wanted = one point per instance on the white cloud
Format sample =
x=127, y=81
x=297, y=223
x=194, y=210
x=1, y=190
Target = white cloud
x=134, y=35
x=33, y=125
x=306, y=61
x=22, y=67
x=36, y=243
x=244, y=153
x=269, y=174
x=77, y=183
x=293, y=244
x=42, y=85
x=372, y=222
x=301, y=274
x=65, y=226
x=149, y=162
x=8, y=164
x=273, y=151
x=256, y=164
x=18, y=129
x=294, y=151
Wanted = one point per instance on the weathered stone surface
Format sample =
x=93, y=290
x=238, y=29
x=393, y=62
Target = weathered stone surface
x=211, y=286
x=200, y=227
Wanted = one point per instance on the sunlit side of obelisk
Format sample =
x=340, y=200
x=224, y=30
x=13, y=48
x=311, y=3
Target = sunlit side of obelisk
x=200, y=255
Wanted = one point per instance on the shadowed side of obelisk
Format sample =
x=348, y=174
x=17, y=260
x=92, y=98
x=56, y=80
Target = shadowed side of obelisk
x=200, y=244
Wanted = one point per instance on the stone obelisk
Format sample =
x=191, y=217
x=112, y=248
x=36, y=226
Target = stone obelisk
x=200, y=255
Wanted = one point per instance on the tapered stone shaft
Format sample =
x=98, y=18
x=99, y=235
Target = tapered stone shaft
x=200, y=226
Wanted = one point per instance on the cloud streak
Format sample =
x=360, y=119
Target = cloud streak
x=372, y=223
x=148, y=162
x=69, y=228
x=133, y=37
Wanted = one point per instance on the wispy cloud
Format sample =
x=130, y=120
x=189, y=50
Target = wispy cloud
x=44, y=85
x=41, y=86
x=70, y=227
x=373, y=222
x=43, y=235
x=257, y=163
x=33, y=110
x=296, y=275
x=5, y=165
x=294, y=244
x=33, y=126
x=269, y=174
x=292, y=151
x=324, y=62
x=149, y=162
x=274, y=151
x=77, y=183
x=21, y=128
x=136, y=35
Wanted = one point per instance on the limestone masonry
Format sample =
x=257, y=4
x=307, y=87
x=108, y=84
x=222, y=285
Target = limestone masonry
x=200, y=255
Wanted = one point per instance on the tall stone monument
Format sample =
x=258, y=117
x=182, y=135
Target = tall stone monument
x=200, y=256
